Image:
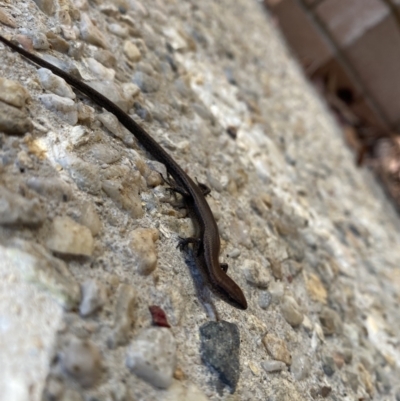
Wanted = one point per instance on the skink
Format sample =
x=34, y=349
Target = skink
x=208, y=246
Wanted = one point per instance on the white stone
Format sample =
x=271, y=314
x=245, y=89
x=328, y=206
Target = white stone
x=55, y=84
x=151, y=356
x=66, y=108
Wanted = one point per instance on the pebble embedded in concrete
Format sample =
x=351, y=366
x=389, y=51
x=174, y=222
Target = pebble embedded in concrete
x=220, y=344
x=257, y=274
x=99, y=70
x=13, y=93
x=55, y=84
x=15, y=209
x=113, y=92
x=124, y=316
x=70, y=238
x=291, y=311
x=113, y=125
x=273, y=366
x=93, y=297
x=82, y=361
x=328, y=364
x=152, y=356
x=50, y=274
x=147, y=83
x=86, y=175
x=7, y=19
x=180, y=392
x=264, y=299
x=300, y=367
x=64, y=107
x=331, y=321
x=142, y=243
x=91, y=33
x=277, y=348
x=316, y=289
x=14, y=121
x=125, y=195
x=50, y=187
x=47, y=6
x=57, y=42
x=131, y=51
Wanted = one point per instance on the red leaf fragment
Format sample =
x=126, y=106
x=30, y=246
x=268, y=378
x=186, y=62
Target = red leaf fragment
x=159, y=317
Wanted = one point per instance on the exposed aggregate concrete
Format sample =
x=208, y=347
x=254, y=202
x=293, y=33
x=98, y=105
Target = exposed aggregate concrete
x=88, y=235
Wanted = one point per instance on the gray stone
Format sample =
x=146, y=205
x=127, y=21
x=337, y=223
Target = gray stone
x=273, y=366
x=264, y=299
x=101, y=72
x=17, y=210
x=352, y=379
x=383, y=379
x=82, y=361
x=276, y=289
x=94, y=296
x=66, y=65
x=111, y=91
x=328, y=364
x=55, y=84
x=90, y=218
x=86, y=175
x=301, y=366
x=47, y=6
x=119, y=30
x=112, y=124
x=124, y=316
x=145, y=82
x=220, y=345
x=104, y=153
x=256, y=274
x=40, y=42
x=203, y=112
x=50, y=187
x=64, y=107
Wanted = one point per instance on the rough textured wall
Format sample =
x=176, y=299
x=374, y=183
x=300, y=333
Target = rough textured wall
x=88, y=239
